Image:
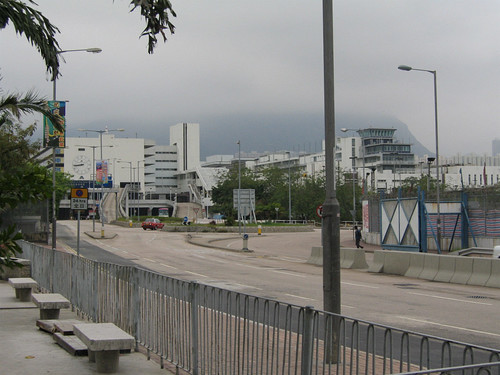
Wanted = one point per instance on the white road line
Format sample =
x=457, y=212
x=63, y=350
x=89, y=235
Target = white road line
x=150, y=260
x=288, y=259
x=454, y=327
x=361, y=285
x=249, y=266
x=166, y=265
x=452, y=299
x=289, y=273
x=295, y=296
x=247, y=286
x=194, y=273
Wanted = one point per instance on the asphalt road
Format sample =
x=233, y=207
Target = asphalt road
x=277, y=269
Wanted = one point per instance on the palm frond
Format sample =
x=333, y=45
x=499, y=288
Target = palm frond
x=37, y=29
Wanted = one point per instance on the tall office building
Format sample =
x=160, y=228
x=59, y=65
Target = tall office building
x=495, y=147
x=186, y=136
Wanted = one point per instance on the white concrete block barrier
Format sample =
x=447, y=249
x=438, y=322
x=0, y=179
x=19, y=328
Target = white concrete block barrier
x=463, y=270
x=481, y=271
x=416, y=265
x=431, y=267
x=353, y=259
x=378, y=261
x=397, y=262
x=446, y=268
x=316, y=256
x=349, y=258
x=494, y=280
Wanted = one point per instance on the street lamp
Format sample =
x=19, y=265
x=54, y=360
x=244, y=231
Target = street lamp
x=330, y=229
x=54, y=219
x=239, y=185
x=433, y=72
x=102, y=184
x=130, y=180
x=93, y=179
x=353, y=158
x=429, y=162
x=362, y=154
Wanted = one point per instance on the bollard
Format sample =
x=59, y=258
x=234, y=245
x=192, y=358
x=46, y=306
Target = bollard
x=259, y=230
x=130, y=223
x=245, y=242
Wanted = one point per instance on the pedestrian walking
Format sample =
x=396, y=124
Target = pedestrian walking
x=357, y=236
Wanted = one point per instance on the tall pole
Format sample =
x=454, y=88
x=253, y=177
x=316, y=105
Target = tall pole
x=93, y=186
x=54, y=219
x=330, y=231
x=289, y=190
x=101, y=209
x=239, y=186
x=437, y=162
x=434, y=73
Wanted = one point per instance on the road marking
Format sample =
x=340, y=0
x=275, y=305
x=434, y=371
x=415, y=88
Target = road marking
x=289, y=259
x=361, y=285
x=150, y=260
x=166, y=265
x=247, y=286
x=254, y=267
x=194, y=273
x=454, y=327
x=452, y=299
x=295, y=296
x=289, y=273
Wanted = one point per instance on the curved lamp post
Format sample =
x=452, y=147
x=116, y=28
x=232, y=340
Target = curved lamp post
x=433, y=72
x=54, y=220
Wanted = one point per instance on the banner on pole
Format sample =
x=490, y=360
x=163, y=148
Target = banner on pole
x=51, y=136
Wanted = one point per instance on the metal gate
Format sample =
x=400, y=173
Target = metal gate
x=400, y=224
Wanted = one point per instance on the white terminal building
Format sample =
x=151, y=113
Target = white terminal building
x=144, y=177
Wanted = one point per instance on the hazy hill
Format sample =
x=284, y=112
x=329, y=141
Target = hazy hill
x=287, y=132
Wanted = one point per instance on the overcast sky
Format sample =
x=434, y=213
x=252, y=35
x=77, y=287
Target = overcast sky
x=238, y=58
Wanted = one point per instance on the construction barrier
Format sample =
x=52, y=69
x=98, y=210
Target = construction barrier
x=353, y=259
x=481, y=271
x=416, y=265
x=446, y=269
x=494, y=280
x=316, y=257
x=431, y=267
x=396, y=262
x=463, y=270
x=378, y=261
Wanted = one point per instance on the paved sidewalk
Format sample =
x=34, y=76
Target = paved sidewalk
x=27, y=350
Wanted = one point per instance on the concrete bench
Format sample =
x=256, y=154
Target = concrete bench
x=104, y=342
x=50, y=304
x=23, y=287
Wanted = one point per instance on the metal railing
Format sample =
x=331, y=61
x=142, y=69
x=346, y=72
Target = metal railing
x=207, y=330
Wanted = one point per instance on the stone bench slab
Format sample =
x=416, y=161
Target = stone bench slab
x=22, y=282
x=104, y=342
x=23, y=287
x=103, y=336
x=50, y=304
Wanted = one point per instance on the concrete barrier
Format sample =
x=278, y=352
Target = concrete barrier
x=416, y=265
x=446, y=268
x=463, y=270
x=481, y=271
x=396, y=262
x=431, y=267
x=316, y=256
x=353, y=259
x=494, y=280
x=378, y=261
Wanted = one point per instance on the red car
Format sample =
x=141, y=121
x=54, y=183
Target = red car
x=152, y=224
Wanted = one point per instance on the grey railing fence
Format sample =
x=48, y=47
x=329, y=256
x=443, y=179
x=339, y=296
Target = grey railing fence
x=207, y=330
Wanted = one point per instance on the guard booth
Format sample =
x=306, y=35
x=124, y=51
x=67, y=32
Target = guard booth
x=410, y=224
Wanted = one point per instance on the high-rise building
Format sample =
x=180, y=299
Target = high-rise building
x=495, y=147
